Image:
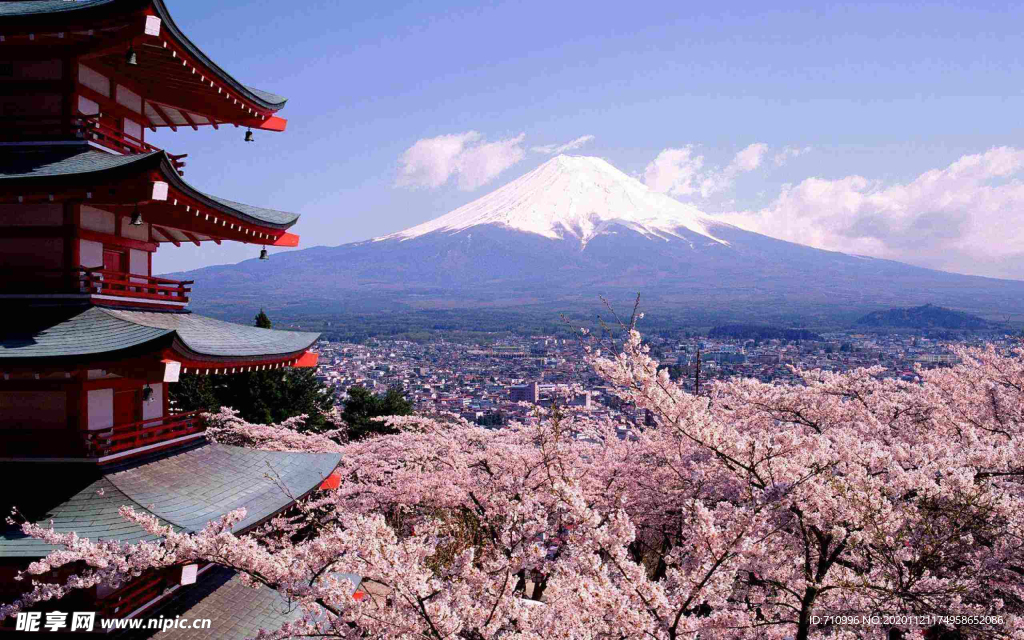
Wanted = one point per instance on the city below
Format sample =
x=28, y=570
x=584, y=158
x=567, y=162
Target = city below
x=497, y=383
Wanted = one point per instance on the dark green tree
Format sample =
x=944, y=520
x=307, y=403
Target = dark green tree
x=262, y=321
x=363, y=405
x=262, y=397
x=266, y=397
x=193, y=391
x=492, y=419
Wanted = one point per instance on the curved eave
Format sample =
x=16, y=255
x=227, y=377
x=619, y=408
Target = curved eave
x=201, y=340
x=193, y=362
x=71, y=164
x=262, y=99
x=209, y=481
x=260, y=216
x=65, y=336
x=60, y=15
x=100, y=334
x=69, y=171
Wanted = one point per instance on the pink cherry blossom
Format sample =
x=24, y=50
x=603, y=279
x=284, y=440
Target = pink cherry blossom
x=750, y=511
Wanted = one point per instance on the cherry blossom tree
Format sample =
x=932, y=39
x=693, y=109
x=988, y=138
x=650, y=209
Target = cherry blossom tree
x=750, y=511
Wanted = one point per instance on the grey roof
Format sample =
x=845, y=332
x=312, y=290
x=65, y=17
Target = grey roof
x=186, y=490
x=192, y=488
x=37, y=7
x=234, y=610
x=64, y=333
x=79, y=161
x=272, y=98
x=260, y=213
x=31, y=8
x=56, y=333
x=50, y=160
x=86, y=512
x=211, y=337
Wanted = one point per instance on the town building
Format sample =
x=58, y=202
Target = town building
x=90, y=338
x=529, y=392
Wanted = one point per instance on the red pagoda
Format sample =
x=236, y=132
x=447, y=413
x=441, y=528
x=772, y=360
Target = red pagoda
x=90, y=338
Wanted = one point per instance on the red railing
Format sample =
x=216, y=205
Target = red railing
x=96, y=281
x=125, y=437
x=61, y=443
x=49, y=128
x=116, y=283
x=137, y=592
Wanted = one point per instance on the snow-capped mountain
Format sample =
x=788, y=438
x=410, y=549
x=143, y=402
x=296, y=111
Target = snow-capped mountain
x=577, y=197
x=576, y=228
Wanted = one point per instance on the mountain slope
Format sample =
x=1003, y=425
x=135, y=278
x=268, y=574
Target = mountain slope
x=573, y=197
x=576, y=228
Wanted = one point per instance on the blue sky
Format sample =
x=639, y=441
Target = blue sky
x=881, y=92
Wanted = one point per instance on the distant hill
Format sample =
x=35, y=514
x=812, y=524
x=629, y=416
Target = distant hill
x=760, y=332
x=926, y=316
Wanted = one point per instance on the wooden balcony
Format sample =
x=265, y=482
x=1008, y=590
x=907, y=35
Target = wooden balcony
x=96, y=282
x=115, y=283
x=97, y=129
x=123, y=441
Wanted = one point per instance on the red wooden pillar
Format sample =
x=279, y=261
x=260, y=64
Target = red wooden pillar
x=72, y=221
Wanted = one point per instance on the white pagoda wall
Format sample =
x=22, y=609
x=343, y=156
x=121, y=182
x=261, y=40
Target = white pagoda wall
x=155, y=407
x=97, y=220
x=100, y=409
x=90, y=254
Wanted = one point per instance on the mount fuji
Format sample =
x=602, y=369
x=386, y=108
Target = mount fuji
x=576, y=228
x=574, y=198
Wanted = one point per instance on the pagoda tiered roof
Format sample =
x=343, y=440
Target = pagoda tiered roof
x=91, y=339
x=186, y=490
x=41, y=337
x=77, y=171
x=183, y=86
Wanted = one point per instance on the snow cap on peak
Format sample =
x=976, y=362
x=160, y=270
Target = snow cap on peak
x=573, y=196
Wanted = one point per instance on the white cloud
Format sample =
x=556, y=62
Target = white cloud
x=781, y=157
x=748, y=159
x=552, y=149
x=432, y=162
x=674, y=171
x=679, y=172
x=967, y=217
